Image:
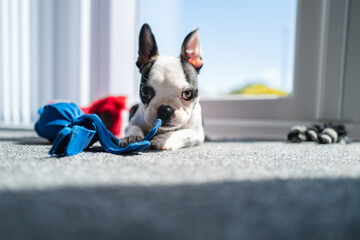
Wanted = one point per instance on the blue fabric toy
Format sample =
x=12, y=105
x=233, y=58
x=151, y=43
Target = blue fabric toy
x=71, y=131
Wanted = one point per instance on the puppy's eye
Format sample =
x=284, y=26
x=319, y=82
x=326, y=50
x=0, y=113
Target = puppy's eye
x=147, y=93
x=187, y=95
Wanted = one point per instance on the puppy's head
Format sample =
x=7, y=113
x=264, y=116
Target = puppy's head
x=168, y=87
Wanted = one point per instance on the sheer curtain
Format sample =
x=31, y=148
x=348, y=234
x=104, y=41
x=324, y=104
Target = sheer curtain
x=63, y=50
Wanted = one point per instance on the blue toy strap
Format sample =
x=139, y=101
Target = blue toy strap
x=71, y=131
x=65, y=132
x=153, y=131
x=80, y=139
x=107, y=140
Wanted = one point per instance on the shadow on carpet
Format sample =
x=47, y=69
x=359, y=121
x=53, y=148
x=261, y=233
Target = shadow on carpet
x=275, y=209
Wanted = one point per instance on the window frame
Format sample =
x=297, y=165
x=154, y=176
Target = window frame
x=321, y=31
x=324, y=83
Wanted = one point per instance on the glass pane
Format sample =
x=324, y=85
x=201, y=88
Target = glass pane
x=247, y=46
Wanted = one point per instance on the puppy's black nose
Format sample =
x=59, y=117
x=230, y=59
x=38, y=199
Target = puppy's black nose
x=165, y=112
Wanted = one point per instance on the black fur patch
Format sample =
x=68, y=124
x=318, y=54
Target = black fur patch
x=145, y=72
x=191, y=76
x=145, y=81
x=147, y=46
x=133, y=111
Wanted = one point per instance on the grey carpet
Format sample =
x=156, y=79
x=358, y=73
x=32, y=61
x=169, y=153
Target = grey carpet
x=219, y=190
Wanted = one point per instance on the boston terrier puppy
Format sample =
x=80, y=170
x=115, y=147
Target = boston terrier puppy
x=169, y=91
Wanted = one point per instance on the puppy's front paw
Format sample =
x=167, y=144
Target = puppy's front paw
x=125, y=141
x=164, y=142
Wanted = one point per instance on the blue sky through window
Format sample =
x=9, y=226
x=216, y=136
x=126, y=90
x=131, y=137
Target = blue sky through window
x=243, y=41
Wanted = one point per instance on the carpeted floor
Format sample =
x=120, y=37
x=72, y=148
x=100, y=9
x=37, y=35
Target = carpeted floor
x=219, y=190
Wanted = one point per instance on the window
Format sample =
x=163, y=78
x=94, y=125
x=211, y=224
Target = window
x=316, y=79
x=91, y=45
x=244, y=42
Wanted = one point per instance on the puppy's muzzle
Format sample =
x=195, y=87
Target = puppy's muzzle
x=165, y=113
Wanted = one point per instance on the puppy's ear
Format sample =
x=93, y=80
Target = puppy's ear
x=191, y=50
x=147, y=46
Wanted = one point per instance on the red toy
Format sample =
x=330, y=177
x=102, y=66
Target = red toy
x=109, y=110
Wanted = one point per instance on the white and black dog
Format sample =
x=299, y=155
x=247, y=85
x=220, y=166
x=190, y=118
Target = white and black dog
x=169, y=91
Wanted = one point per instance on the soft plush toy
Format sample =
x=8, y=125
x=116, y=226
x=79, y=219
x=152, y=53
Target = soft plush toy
x=326, y=134
x=109, y=109
x=71, y=131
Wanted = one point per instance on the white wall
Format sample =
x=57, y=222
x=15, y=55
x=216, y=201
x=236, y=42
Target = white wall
x=351, y=100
